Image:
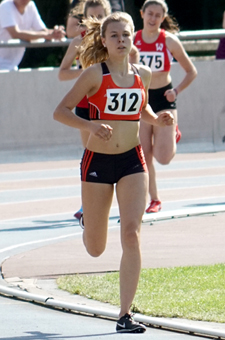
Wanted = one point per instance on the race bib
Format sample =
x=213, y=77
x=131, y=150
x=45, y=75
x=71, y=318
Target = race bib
x=154, y=60
x=125, y=101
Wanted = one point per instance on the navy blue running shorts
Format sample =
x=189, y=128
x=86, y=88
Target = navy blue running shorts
x=158, y=101
x=106, y=168
x=82, y=112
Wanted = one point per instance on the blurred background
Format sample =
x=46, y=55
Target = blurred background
x=190, y=15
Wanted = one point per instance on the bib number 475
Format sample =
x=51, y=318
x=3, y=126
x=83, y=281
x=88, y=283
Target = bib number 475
x=154, y=60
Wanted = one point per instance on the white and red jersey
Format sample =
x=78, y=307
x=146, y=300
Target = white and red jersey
x=155, y=55
x=112, y=102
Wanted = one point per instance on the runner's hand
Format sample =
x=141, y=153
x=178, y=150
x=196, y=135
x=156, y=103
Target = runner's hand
x=103, y=131
x=165, y=118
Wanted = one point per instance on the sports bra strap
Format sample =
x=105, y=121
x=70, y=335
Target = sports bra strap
x=105, y=69
x=135, y=69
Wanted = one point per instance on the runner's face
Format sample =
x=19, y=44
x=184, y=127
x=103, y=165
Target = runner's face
x=96, y=12
x=118, y=38
x=153, y=16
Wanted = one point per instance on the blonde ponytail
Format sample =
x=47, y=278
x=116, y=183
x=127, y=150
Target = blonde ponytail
x=91, y=50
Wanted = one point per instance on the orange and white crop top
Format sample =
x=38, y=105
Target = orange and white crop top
x=155, y=55
x=112, y=102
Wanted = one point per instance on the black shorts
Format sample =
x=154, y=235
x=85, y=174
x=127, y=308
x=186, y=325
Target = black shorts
x=82, y=112
x=158, y=101
x=105, y=168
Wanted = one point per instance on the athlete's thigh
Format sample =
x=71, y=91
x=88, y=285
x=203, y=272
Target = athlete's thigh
x=164, y=139
x=146, y=132
x=131, y=193
x=96, y=202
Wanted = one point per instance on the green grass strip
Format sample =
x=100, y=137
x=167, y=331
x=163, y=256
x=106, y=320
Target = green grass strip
x=195, y=293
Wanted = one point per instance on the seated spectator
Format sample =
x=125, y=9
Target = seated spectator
x=20, y=19
x=220, y=53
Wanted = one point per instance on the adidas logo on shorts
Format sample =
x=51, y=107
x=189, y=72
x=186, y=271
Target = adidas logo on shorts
x=94, y=174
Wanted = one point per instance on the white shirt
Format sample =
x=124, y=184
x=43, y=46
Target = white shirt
x=10, y=16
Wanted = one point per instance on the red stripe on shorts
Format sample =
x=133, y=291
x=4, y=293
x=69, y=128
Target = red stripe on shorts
x=88, y=155
x=141, y=156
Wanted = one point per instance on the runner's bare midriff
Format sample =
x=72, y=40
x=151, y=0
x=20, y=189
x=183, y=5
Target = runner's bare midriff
x=160, y=79
x=124, y=137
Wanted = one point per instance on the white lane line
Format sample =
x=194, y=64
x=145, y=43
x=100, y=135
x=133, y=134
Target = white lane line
x=78, y=177
x=38, y=179
x=38, y=241
x=115, y=206
x=185, y=212
x=146, y=218
x=74, y=196
x=52, y=215
x=116, y=226
x=40, y=170
x=37, y=216
x=161, y=181
x=40, y=200
x=46, y=188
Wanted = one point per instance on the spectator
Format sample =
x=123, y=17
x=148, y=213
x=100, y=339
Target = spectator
x=220, y=53
x=19, y=19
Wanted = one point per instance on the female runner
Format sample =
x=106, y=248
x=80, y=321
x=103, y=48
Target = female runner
x=157, y=47
x=117, y=93
x=90, y=8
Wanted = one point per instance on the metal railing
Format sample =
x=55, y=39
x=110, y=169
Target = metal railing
x=35, y=43
x=202, y=35
x=183, y=36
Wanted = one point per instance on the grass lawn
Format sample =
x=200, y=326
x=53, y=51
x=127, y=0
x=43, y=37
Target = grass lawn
x=196, y=293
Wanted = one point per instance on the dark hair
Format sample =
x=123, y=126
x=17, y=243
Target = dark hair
x=169, y=23
x=80, y=10
x=94, y=3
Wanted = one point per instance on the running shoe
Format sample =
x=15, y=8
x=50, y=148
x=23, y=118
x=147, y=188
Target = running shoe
x=154, y=206
x=178, y=134
x=81, y=221
x=126, y=324
x=78, y=214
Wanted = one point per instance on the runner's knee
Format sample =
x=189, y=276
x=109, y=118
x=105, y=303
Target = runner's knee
x=164, y=158
x=94, y=250
x=130, y=238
